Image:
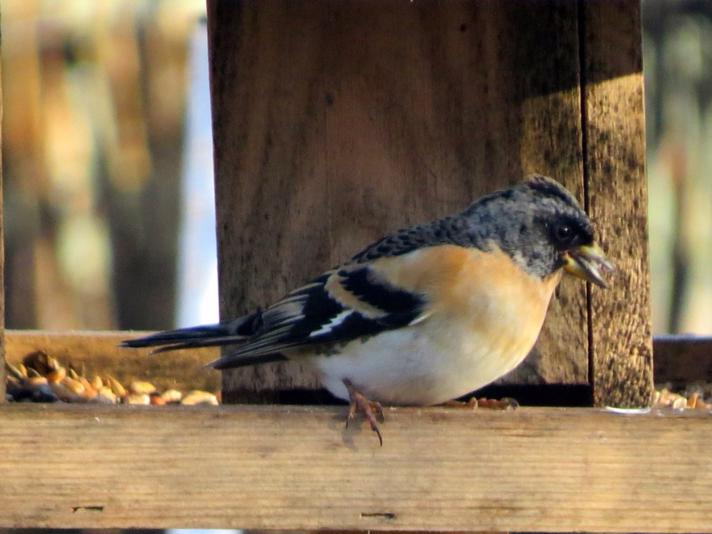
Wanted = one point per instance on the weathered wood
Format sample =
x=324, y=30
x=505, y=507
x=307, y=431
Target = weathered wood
x=550, y=470
x=614, y=148
x=335, y=123
x=682, y=359
x=678, y=359
x=99, y=353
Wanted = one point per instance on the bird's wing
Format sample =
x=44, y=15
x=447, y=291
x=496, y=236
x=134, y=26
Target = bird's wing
x=350, y=302
x=391, y=284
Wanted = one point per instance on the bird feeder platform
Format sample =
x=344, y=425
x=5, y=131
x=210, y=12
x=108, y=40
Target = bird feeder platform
x=272, y=467
x=335, y=122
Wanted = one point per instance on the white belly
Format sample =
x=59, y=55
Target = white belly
x=430, y=363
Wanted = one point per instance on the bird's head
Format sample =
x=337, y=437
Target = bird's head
x=542, y=227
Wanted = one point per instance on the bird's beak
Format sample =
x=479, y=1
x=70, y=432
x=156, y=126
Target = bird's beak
x=587, y=262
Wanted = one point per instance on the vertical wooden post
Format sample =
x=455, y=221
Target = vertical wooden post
x=2, y=258
x=614, y=147
x=337, y=122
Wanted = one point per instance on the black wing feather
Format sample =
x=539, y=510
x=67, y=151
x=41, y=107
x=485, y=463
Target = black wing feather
x=310, y=316
x=323, y=320
x=381, y=295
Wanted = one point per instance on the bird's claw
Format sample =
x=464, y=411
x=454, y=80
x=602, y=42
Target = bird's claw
x=371, y=410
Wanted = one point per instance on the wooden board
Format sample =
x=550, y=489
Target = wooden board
x=614, y=147
x=682, y=360
x=337, y=122
x=532, y=470
x=678, y=359
x=99, y=353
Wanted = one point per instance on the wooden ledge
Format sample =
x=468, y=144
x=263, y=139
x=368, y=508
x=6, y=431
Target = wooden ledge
x=678, y=359
x=98, y=352
x=268, y=467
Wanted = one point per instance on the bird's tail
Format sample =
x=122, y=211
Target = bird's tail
x=211, y=335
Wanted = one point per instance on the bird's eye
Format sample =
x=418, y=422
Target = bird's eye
x=563, y=233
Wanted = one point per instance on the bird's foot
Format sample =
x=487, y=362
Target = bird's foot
x=372, y=411
x=505, y=403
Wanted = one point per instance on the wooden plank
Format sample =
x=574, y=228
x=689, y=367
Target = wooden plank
x=544, y=470
x=614, y=148
x=99, y=353
x=337, y=122
x=679, y=359
x=682, y=359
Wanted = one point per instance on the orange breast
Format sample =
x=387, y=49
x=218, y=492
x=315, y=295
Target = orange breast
x=486, y=290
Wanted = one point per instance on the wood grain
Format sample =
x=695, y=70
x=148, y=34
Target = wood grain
x=543, y=470
x=614, y=146
x=99, y=353
x=335, y=123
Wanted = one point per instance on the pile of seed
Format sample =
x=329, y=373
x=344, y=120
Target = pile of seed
x=690, y=397
x=41, y=378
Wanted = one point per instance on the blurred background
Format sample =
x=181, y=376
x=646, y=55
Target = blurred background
x=108, y=175
x=106, y=164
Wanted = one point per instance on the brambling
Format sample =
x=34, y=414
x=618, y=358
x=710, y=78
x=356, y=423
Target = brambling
x=427, y=314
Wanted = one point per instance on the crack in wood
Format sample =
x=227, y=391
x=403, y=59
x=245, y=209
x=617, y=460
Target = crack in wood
x=384, y=515
x=91, y=508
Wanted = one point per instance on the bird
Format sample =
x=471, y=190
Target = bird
x=426, y=314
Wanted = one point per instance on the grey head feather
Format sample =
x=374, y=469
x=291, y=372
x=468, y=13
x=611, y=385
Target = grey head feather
x=519, y=220
x=523, y=219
